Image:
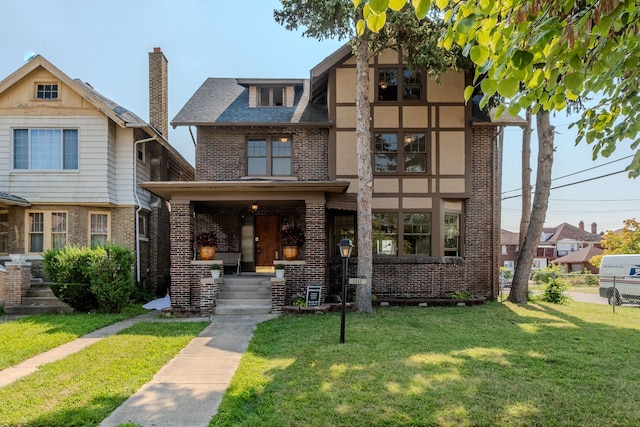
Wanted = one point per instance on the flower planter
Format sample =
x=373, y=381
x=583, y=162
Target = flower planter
x=290, y=253
x=215, y=274
x=207, y=252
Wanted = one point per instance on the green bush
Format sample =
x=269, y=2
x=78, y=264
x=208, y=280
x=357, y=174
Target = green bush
x=77, y=295
x=90, y=278
x=71, y=264
x=112, y=278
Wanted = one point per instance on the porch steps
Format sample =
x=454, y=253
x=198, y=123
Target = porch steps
x=246, y=294
x=39, y=299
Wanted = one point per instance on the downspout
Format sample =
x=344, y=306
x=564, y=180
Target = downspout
x=138, y=204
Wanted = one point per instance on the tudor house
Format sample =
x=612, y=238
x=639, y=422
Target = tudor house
x=70, y=164
x=275, y=152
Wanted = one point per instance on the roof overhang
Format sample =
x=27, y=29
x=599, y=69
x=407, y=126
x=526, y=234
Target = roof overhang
x=243, y=189
x=7, y=199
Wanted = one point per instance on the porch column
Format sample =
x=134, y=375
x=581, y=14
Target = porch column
x=316, y=243
x=182, y=229
x=17, y=282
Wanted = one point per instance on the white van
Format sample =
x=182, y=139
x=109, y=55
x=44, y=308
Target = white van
x=620, y=278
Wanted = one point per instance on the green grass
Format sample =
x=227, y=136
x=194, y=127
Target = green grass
x=491, y=365
x=84, y=388
x=27, y=337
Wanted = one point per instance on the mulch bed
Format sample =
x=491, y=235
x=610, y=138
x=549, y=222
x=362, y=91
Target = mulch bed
x=392, y=302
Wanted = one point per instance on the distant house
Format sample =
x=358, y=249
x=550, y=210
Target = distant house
x=276, y=152
x=509, y=249
x=579, y=261
x=70, y=163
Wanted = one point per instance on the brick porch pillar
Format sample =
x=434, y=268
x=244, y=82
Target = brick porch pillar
x=316, y=243
x=182, y=229
x=17, y=282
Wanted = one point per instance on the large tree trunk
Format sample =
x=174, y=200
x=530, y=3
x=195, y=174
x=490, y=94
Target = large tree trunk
x=520, y=285
x=365, y=178
x=526, y=178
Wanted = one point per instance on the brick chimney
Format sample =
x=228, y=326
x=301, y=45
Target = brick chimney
x=158, y=92
x=581, y=225
x=594, y=228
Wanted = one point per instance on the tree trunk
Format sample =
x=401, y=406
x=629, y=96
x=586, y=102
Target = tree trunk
x=526, y=178
x=520, y=285
x=365, y=178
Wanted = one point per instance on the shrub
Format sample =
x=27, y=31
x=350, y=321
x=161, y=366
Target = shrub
x=77, y=295
x=71, y=264
x=112, y=278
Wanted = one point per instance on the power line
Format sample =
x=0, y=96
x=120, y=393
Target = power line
x=578, y=172
x=572, y=183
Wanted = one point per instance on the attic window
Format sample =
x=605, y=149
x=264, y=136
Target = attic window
x=47, y=91
x=271, y=96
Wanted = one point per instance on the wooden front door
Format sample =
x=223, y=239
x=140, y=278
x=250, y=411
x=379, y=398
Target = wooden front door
x=267, y=245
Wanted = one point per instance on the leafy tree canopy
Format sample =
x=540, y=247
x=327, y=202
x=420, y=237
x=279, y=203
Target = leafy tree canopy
x=625, y=242
x=544, y=54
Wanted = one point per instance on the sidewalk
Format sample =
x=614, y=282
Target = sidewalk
x=188, y=390
x=185, y=392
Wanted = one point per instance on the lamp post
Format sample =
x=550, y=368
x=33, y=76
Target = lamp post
x=346, y=247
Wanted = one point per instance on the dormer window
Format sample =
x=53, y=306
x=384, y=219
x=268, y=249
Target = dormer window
x=47, y=91
x=271, y=96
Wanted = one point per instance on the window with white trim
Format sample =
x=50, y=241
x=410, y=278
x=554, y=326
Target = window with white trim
x=45, y=149
x=46, y=230
x=98, y=229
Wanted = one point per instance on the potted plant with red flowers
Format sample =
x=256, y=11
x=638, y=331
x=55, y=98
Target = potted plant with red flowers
x=207, y=243
x=291, y=238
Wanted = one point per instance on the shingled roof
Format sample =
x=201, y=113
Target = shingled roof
x=225, y=101
x=578, y=257
x=570, y=232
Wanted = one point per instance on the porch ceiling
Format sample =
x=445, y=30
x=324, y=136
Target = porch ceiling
x=243, y=190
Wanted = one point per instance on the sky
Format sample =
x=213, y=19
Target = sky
x=106, y=44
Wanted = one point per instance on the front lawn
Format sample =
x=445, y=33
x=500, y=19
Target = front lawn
x=491, y=365
x=27, y=337
x=85, y=387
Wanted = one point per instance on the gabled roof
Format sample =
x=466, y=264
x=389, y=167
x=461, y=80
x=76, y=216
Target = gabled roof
x=570, y=232
x=509, y=237
x=118, y=114
x=578, y=257
x=225, y=101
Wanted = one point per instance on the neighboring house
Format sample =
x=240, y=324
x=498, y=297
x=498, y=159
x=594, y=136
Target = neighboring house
x=70, y=162
x=563, y=240
x=509, y=249
x=272, y=152
x=578, y=262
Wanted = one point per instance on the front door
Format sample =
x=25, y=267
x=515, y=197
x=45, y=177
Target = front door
x=267, y=245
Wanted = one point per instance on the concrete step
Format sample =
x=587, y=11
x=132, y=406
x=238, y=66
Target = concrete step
x=37, y=309
x=48, y=300
x=245, y=288
x=243, y=301
x=255, y=294
x=242, y=309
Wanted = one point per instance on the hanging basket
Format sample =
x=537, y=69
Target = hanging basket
x=207, y=252
x=290, y=253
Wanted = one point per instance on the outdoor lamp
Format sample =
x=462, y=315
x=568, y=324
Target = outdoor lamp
x=346, y=247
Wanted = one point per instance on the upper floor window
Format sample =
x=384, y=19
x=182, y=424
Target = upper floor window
x=269, y=156
x=98, y=229
x=46, y=230
x=407, y=88
x=47, y=91
x=45, y=149
x=410, y=156
x=271, y=96
x=4, y=232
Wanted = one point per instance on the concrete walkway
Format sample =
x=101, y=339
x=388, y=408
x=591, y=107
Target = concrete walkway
x=188, y=390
